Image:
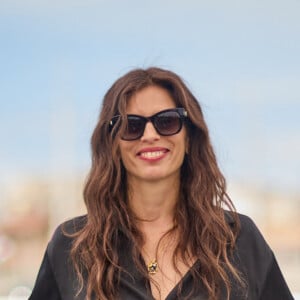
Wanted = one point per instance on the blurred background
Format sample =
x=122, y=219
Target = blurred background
x=241, y=60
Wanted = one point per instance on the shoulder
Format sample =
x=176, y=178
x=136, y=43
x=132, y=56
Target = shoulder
x=251, y=247
x=59, y=258
x=57, y=278
x=247, y=223
x=248, y=229
x=250, y=236
x=63, y=235
x=252, y=255
x=256, y=260
x=71, y=226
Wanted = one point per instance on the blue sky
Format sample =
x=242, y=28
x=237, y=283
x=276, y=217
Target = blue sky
x=240, y=58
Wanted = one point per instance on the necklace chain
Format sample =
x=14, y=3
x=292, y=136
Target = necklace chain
x=152, y=265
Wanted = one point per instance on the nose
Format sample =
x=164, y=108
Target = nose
x=150, y=134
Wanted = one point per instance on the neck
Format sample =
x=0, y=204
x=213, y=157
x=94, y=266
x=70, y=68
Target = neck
x=153, y=202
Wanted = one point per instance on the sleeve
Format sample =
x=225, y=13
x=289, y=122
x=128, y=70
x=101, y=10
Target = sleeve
x=275, y=286
x=45, y=286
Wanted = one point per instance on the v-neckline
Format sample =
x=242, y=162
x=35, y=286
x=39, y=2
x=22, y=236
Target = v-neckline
x=141, y=286
x=173, y=292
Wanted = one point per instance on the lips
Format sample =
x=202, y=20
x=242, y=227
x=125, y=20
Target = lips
x=152, y=153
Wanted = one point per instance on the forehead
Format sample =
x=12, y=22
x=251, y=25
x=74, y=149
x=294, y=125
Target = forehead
x=149, y=101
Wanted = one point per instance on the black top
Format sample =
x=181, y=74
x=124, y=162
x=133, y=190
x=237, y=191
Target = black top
x=56, y=279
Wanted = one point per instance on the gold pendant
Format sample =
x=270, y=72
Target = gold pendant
x=152, y=267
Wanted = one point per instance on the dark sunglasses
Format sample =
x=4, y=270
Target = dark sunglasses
x=166, y=122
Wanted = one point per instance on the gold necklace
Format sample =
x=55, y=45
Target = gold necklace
x=152, y=267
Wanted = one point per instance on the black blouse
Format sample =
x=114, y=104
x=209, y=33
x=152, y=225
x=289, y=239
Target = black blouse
x=252, y=256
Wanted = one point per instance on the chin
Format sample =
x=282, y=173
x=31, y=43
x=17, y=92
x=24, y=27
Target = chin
x=152, y=177
x=156, y=176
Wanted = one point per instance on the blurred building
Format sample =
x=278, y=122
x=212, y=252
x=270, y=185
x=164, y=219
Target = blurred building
x=32, y=209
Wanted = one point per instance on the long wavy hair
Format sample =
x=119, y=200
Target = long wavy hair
x=199, y=216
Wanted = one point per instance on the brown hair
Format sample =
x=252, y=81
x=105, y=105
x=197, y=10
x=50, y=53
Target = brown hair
x=200, y=218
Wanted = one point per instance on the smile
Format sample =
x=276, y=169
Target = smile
x=153, y=154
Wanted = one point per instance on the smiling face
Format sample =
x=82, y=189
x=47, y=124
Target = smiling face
x=152, y=157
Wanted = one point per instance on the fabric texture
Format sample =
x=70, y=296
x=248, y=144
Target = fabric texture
x=56, y=279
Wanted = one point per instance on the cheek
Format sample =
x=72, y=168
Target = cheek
x=124, y=153
x=183, y=143
x=182, y=153
x=187, y=145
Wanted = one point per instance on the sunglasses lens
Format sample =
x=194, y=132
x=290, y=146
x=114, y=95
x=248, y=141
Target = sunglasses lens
x=168, y=123
x=134, y=129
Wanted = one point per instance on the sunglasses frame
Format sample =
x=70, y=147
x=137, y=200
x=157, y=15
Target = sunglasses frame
x=182, y=113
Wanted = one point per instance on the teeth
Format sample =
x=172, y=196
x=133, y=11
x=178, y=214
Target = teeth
x=152, y=154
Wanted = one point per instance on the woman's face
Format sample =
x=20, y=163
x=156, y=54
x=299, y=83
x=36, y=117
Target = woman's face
x=152, y=157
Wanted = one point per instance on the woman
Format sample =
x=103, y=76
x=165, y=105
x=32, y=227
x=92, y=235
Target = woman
x=155, y=224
